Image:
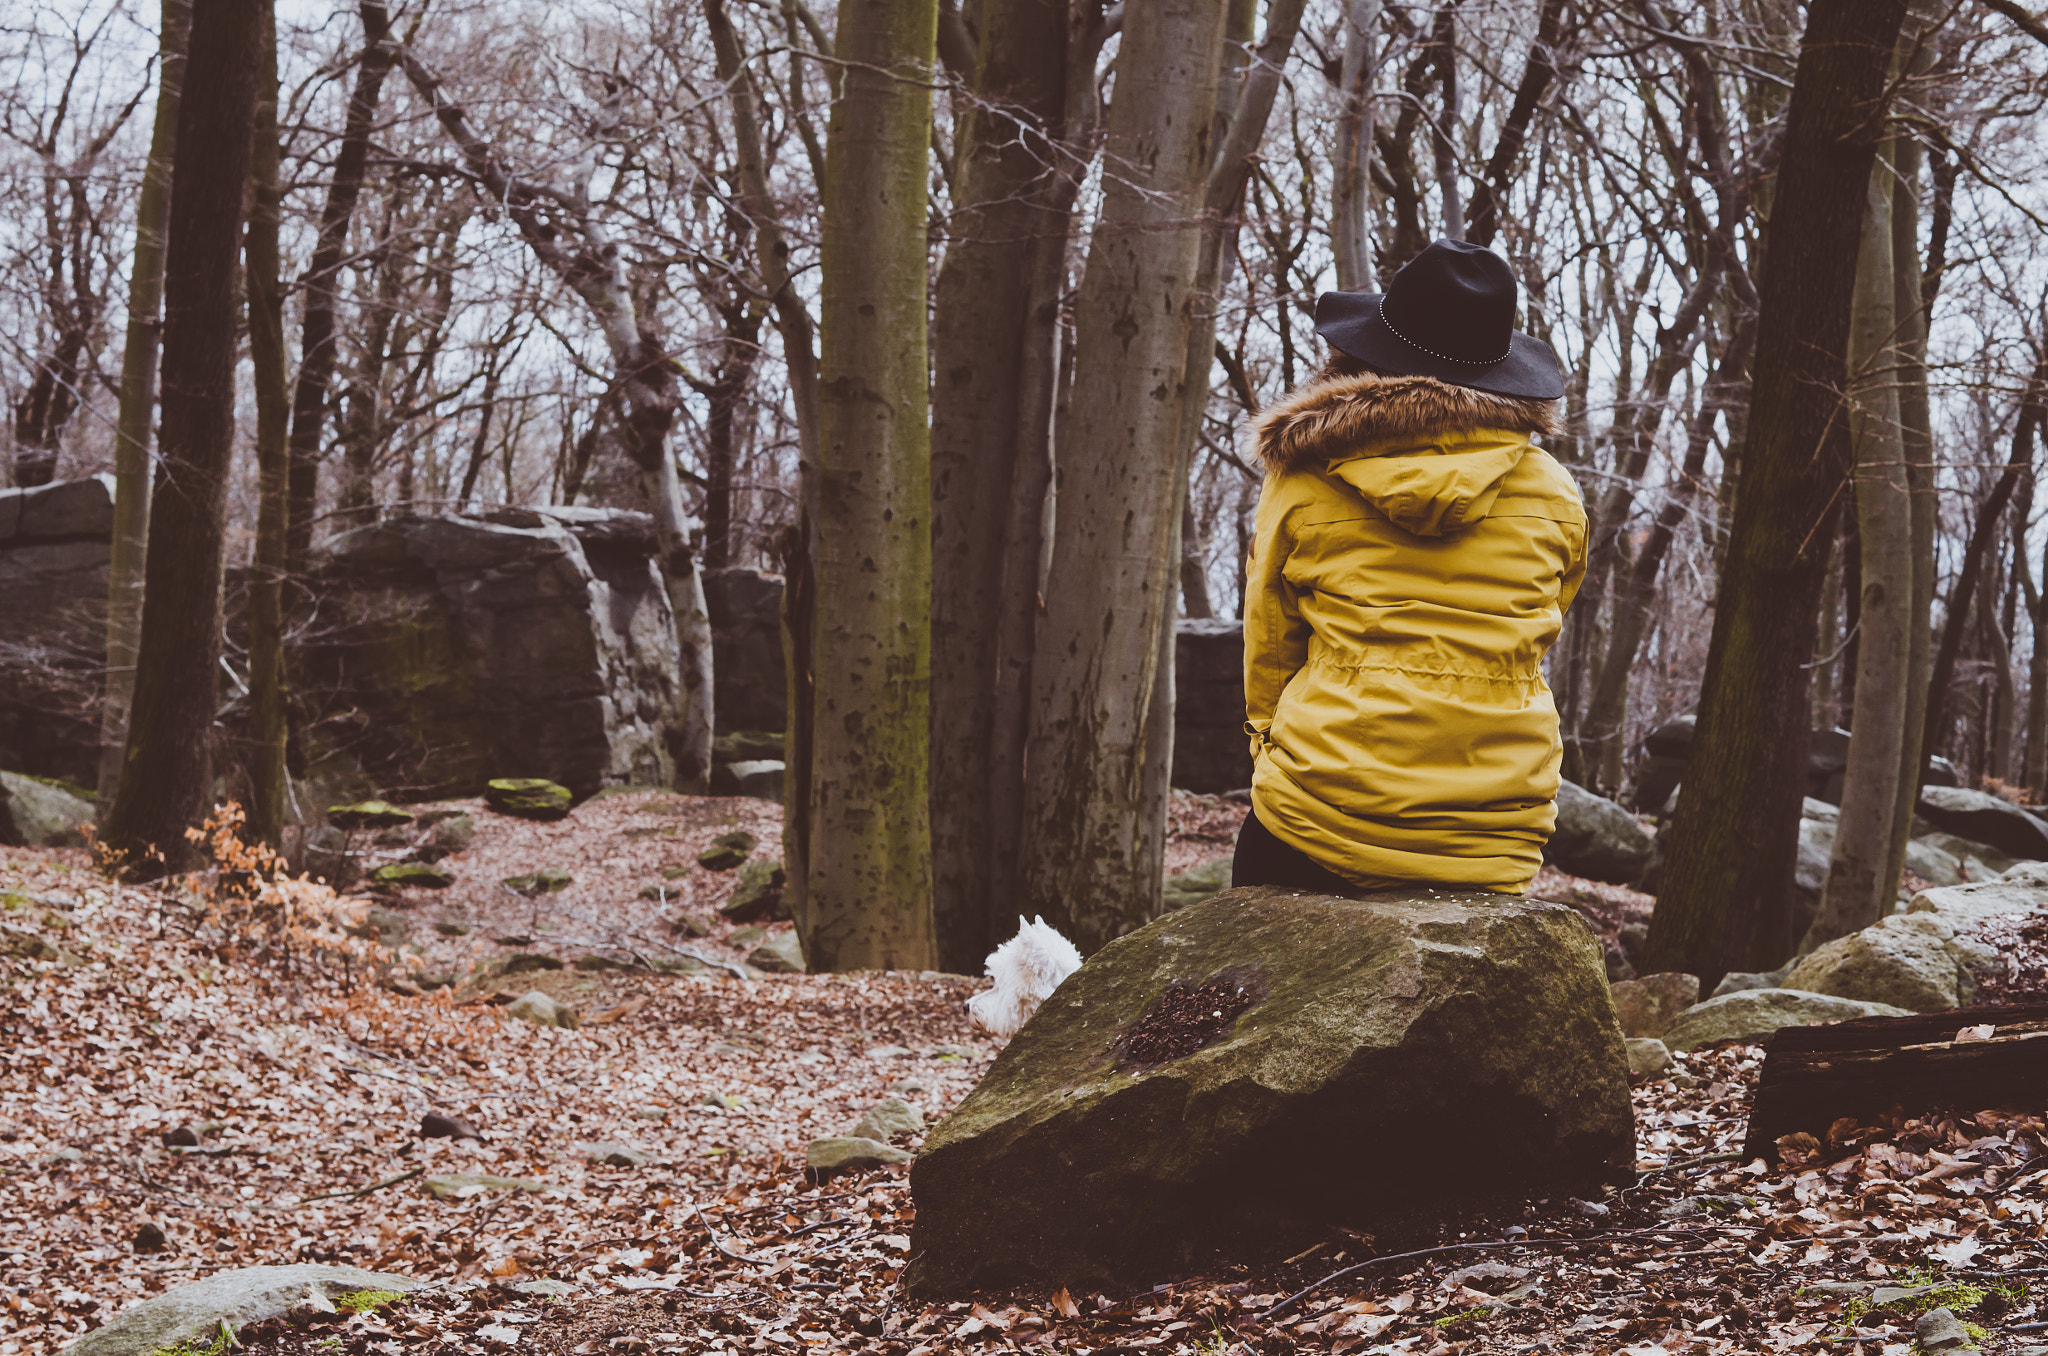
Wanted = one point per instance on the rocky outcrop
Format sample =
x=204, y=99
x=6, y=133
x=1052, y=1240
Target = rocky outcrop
x=1751, y=1014
x=1987, y=819
x=746, y=649
x=450, y=651
x=190, y=1317
x=54, y=545
x=1210, y=750
x=1597, y=839
x=1265, y=1057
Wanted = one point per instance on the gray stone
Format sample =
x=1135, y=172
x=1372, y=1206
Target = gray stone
x=368, y=814
x=453, y=834
x=529, y=962
x=1901, y=961
x=1755, y=1013
x=1985, y=818
x=534, y=884
x=1935, y=865
x=611, y=1154
x=2012, y=895
x=1646, y=1006
x=782, y=954
x=745, y=607
x=1739, y=981
x=387, y=926
x=760, y=778
x=757, y=895
x=529, y=797
x=542, y=1010
x=193, y=1314
x=739, y=746
x=888, y=1118
x=455, y=1186
x=1938, y=1331
x=728, y=850
x=1210, y=750
x=54, y=544
x=1198, y=883
x=827, y=1158
x=747, y=936
x=1980, y=861
x=414, y=876
x=1220, y=1063
x=34, y=813
x=547, y=1288
x=1648, y=1055
x=1596, y=839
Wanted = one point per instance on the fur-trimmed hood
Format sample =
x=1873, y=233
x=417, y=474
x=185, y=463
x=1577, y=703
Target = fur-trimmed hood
x=1332, y=417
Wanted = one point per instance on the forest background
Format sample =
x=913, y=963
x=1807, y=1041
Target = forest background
x=953, y=314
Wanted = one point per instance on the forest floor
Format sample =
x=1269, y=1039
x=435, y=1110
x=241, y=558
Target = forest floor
x=125, y=1020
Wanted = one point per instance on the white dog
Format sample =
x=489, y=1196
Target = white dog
x=1026, y=969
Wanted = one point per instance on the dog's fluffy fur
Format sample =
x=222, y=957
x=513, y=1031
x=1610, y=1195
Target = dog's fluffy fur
x=1026, y=969
x=1332, y=415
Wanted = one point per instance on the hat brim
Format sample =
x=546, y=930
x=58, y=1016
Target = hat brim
x=1351, y=321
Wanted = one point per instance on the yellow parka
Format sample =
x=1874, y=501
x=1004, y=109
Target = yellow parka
x=1415, y=553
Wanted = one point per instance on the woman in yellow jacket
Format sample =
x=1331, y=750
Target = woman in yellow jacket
x=1415, y=552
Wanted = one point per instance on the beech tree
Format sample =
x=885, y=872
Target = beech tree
x=167, y=774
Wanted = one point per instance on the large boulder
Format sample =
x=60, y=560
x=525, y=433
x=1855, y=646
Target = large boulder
x=1646, y=1006
x=1266, y=1058
x=1985, y=818
x=746, y=650
x=1752, y=1014
x=1596, y=838
x=452, y=650
x=190, y=1317
x=34, y=813
x=1979, y=861
x=55, y=541
x=1905, y=960
x=2019, y=893
x=1210, y=750
x=1666, y=748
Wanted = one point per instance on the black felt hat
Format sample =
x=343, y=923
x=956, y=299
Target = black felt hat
x=1449, y=314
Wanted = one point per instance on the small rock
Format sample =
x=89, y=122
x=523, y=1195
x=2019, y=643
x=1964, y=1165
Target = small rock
x=1647, y=1005
x=434, y=1125
x=758, y=777
x=611, y=1154
x=534, y=884
x=368, y=814
x=744, y=937
x=192, y=1315
x=524, y=962
x=759, y=894
x=386, y=926
x=827, y=1158
x=910, y=1087
x=547, y=1287
x=685, y=965
x=414, y=876
x=782, y=954
x=455, y=833
x=529, y=798
x=513, y=939
x=595, y=964
x=150, y=1238
x=888, y=1118
x=1758, y=1012
x=890, y=1052
x=1939, y=1331
x=728, y=850
x=541, y=1010
x=1647, y=1055
x=448, y=929
x=35, y=812
x=182, y=1137
x=1596, y=838
x=1490, y=1277
x=455, y=1186
x=690, y=925
x=1740, y=981
x=652, y=1113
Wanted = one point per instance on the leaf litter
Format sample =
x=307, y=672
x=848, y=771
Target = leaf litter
x=178, y=1103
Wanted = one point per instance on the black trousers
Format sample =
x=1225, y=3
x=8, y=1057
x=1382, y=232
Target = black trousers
x=1262, y=859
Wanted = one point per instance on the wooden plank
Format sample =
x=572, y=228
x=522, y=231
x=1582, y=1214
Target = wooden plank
x=1814, y=1075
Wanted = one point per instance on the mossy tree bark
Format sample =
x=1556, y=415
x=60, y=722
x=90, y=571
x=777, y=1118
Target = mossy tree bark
x=1727, y=880
x=995, y=337
x=867, y=900
x=167, y=773
x=268, y=790
x=1096, y=776
x=134, y=420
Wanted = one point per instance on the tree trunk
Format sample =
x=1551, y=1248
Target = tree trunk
x=995, y=332
x=1096, y=788
x=867, y=902
x=1444, y=38
x=268, y=790
x=167, y=774
x=1860, y=887
x=2035, y=766
x=1727, y=879
x=323, y=276
x=739, y=351
x=1351, y=182
x=1935, y=734
x=1538, y=74
x=134, y=421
